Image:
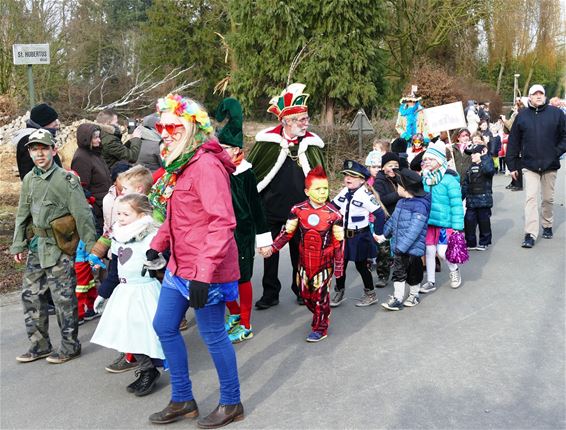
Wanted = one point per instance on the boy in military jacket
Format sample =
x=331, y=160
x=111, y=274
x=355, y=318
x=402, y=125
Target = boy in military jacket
x=49, y=193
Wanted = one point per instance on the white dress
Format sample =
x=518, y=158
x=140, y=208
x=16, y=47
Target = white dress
x=127, y=322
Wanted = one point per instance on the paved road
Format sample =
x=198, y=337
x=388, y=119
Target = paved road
x=489, y=355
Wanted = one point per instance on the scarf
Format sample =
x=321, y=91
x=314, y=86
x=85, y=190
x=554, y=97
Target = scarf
x=162, y=190
x=134, y=231
x=433, y=177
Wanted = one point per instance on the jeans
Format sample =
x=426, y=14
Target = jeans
x=210, y=321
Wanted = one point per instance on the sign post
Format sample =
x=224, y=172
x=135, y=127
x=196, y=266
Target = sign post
x=361, y=125
x=28, y=55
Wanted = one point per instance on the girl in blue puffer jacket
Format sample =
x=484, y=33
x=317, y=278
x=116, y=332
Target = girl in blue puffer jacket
x=408, y=226
x=446, y=213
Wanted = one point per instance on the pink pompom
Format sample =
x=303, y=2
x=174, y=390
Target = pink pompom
x=457, y=252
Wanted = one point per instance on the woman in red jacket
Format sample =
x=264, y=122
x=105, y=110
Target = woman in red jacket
x=202, y=272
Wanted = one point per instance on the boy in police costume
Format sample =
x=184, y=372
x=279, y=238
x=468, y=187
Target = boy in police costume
x=49, y=193
x=356, y=202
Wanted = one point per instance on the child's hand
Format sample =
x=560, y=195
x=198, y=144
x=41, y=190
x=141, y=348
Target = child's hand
x=379, y=238
x=95, y=262
x=266, y=251
x=99, y=304
x=476, y=158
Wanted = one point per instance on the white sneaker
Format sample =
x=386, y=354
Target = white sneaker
x=411, y=301
x=455, y=278
x=427, y=287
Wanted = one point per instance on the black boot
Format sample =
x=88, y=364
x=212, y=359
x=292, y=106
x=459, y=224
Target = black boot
x=147, y=381
x=134, y=385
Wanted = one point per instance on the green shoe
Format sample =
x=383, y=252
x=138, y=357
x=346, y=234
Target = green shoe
x=240, y=333
x=231, y=322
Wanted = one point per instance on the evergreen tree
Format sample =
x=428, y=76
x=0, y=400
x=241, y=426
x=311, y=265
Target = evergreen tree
x=331, y=46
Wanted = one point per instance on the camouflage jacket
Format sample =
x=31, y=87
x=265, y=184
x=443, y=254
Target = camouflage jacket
x=46, y=196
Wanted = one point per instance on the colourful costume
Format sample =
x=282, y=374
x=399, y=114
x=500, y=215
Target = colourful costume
x=281, y=163
x=320, y=255
x=410, y=119
x=251, y=227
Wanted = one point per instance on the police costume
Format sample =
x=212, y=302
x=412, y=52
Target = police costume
x=356, y=206
x=46, y=196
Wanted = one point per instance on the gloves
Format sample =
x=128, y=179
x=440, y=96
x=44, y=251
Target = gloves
x=198, y=294
x=155, y=261
x=99, y=304
x=96, y=261
x=151, y=254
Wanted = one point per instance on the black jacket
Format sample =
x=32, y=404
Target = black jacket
x=538, y=136
x=386, y=188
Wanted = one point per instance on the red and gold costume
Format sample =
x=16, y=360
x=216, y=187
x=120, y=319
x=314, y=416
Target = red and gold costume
x=320, y=255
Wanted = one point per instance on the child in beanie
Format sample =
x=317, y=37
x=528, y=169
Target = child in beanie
x=408, y=227
x=446, y=214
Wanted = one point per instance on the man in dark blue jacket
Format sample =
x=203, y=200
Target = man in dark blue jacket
x=538, y=136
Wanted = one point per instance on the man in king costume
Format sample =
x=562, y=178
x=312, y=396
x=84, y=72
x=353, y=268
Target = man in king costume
x=282, y=156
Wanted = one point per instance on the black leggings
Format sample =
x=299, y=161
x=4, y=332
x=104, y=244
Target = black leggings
x=363, y=270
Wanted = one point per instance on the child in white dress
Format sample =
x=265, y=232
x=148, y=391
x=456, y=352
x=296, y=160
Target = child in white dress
x=127, y=321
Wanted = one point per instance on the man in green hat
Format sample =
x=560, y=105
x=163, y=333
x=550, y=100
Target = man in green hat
x=50, y=194
x=251, y=227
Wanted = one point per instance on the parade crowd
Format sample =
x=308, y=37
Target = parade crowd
x=141, y=229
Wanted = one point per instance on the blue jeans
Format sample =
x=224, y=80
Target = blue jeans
x=210, y=321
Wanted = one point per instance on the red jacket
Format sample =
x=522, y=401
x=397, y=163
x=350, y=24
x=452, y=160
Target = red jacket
x=200, y=223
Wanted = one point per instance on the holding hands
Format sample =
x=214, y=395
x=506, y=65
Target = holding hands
x=265, y=251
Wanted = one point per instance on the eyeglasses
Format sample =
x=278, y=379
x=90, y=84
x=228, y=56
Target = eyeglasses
x=171, y=129
x=301, y=120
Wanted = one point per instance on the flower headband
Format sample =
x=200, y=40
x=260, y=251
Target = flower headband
x=185, y=108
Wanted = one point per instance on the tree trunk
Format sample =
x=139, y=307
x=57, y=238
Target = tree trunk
x=500, y=77
x=328, y=112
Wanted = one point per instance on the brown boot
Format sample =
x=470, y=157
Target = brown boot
x=175, y=411
x=221, y=416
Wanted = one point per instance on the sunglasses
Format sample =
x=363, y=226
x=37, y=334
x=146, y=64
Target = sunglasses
x=171, y=129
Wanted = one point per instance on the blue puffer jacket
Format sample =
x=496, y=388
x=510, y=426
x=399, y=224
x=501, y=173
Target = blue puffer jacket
x=408, y=225
x=477, y=187
x=447, y=209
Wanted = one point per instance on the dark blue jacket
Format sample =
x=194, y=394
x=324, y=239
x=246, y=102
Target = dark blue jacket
x=408, y=225
x=477, y=186
x=538, y=136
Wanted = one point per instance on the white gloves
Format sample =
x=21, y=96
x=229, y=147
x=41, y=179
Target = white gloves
x=99, y=304
x=379, y=238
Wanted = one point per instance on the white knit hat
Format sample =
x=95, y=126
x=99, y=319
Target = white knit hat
x=436, y=150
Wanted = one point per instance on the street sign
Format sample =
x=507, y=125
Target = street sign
x=31, y=54
x=361, y=121
x=445, y=117
x=361, y=126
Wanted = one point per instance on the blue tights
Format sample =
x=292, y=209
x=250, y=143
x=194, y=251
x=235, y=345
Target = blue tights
x=210, y=321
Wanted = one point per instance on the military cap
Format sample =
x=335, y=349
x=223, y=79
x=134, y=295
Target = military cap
x=353, y=168
x=41, y=136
